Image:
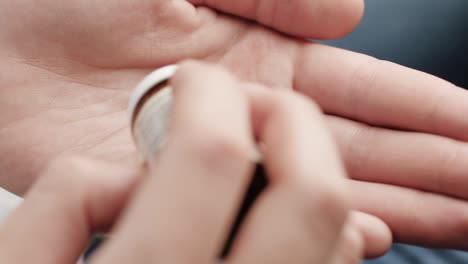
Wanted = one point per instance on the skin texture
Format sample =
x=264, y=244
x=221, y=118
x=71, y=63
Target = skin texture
x=312, y=210
x=67, y=69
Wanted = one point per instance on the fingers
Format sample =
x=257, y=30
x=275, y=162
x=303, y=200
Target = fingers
x=299, y=217
x=350, y=247
x=363, y=235
x=73, y=197
x=376, y=234
x=185, y=210
x=381, y=93
x=416, y=160
x=324, y=19
x=415, y=217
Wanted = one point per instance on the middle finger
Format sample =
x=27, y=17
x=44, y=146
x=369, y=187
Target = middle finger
x=415, y=160
x=380, y=93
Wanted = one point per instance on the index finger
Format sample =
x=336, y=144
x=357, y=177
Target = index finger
x=381, y=93
x=320, y=19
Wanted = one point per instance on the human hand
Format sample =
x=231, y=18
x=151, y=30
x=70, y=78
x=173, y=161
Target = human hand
x=70, y=66
x=183, y=210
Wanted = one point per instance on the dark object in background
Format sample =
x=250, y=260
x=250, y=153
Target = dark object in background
x=428, y=35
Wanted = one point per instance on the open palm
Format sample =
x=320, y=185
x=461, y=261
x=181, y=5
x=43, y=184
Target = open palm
x=68, y=67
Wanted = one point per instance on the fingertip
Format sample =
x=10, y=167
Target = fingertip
x=377, y=235
x=209, y=101
x=350, y=248
x=346, y=17
x=353, y=14
x=356, y=244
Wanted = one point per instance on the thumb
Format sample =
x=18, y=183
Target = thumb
x=73, y=198
x=322, y=19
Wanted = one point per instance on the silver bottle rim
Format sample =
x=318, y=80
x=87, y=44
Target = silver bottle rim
x=146, y=85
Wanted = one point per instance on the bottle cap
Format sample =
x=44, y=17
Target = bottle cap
x=150, y=82
x=149, y=111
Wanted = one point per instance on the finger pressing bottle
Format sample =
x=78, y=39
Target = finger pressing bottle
x=149, y=115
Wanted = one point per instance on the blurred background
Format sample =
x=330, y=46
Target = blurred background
x=428, y=35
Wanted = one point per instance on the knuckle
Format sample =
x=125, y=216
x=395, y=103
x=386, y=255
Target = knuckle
x=290, y=102
x=449, y=156
x=67, y=172
x=334, y=196
x=362, y=147
x=225, y=145
x=215, y=145
x=439, y=104
x=330, y=200
x=363, y=84
x=322, y=207
x=63, y=167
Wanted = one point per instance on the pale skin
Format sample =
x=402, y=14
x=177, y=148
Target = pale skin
x=68, y=67
x=182, y=214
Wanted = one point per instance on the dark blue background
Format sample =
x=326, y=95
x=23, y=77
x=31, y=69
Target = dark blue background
x=429, y=35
